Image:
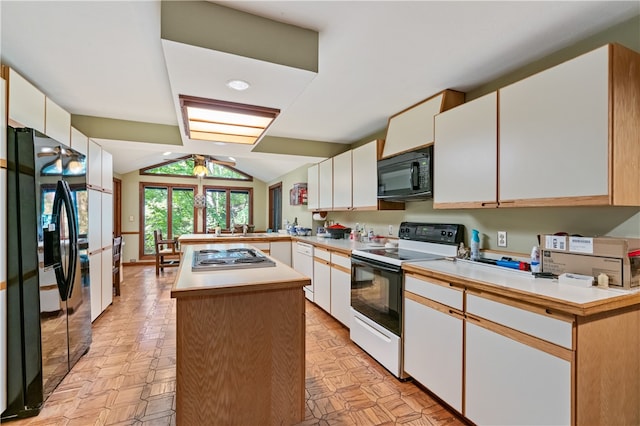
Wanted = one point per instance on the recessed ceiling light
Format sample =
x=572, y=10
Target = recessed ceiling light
x=239, y=85
x=232, y=159
x=220, y=143
x=166, y=153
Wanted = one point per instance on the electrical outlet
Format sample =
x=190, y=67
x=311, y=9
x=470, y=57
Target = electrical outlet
x=390, y=229
x=502, y=238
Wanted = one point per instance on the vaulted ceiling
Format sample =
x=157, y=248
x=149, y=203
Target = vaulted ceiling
x=336, y=69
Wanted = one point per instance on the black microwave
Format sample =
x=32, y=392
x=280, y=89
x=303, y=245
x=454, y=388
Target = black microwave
x=406, y=177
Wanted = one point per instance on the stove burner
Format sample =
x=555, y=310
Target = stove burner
x=209, y=251
x=249, y=260
x=212, y=262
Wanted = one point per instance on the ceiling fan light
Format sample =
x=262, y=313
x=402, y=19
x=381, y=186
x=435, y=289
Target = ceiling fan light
x=200, y=170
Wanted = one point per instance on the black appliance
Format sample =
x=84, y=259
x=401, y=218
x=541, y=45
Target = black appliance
x=377, y=287
x=406, y=177
x=48, y=299
x=231, y=258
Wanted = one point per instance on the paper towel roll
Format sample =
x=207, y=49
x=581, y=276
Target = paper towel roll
x=320, y=216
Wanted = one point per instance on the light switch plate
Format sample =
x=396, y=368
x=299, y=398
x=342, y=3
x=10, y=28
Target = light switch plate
x=502, y=238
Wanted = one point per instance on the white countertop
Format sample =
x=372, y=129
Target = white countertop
x=337, y=244
x=190, y=283
x=200, y=238
x=522, y=283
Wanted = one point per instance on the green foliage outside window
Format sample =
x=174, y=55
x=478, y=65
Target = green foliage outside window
x=184, y=167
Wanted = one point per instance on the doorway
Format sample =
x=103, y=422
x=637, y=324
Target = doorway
x=275, y=206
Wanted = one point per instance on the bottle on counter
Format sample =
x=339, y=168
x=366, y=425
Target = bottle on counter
x=535, y=259
x=475, y=245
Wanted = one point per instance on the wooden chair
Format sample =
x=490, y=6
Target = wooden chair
x=117, y=254
x=167, y=253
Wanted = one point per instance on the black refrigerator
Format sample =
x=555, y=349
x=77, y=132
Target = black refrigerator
x=48, y=299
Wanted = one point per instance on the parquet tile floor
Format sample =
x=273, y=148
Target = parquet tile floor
x=128, y=377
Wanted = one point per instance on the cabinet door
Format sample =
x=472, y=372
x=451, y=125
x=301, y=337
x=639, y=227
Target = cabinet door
x=412, y=128
x=554, y=134
x=79, y=142
x=322, y=283
x=106, y=234
x=508, y=382
x=342, y=188
x=325, y=185
x=95, y=220
x=364, y=160
x=467, y=136
x=107, y=278
x=3, y=283
x=341, y=288
x=26, y=102
x=94, y=165
x=312, y=188
x=95, y=282
x=433, y=349
x=57, y=122
x=281, y=250
x=107, y=171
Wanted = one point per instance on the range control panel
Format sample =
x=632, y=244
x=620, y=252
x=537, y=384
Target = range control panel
x=432, y=232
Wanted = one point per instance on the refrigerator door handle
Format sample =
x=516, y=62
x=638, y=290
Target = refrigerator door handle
x=62, y=199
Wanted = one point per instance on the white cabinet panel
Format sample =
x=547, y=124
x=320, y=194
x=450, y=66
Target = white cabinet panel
x=107, y=171
x=467, y=136
x=3, y=121
x=94, y=165
x=325, y=184
x=510, y=383
x=3, y=283
x=364, y=160
x=79, y=142
x=107, y=278
x=303, y=263
x=554, y=131
x=544, y=327
x=322, y=280
x=26, y=102
x=433, y=351
x=449, y=296
x=3, y=350
x=95, y=220
x=281, y=250
x=107, y=220
x=341, y=288
x=313, y=193
x=95, y=283
x=57, y=122
x=342, y=188
x=413, y=128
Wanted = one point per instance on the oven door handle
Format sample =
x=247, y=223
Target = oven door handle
x=358, y=261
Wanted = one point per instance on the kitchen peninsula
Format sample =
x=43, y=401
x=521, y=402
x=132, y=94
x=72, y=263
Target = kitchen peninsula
x=240, y=343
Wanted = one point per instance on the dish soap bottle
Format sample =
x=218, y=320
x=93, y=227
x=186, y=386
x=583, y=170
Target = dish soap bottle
x=475, y=245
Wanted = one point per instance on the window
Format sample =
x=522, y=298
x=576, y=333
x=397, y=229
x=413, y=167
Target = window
x=183, y=167
x=167, y=208
x=226, y=206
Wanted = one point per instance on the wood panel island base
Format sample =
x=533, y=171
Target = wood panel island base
x=240, y=345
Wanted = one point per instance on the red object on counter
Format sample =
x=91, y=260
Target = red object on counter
x=634, y=253
x=336, y=226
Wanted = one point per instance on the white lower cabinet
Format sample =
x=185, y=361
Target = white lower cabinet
x=433, y=349
x=95, y=283
x=281, y=250
x=303, y=263
x=322, y=278
x=512, y=383
x=341, y=288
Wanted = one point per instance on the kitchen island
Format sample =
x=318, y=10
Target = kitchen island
x=240, y=344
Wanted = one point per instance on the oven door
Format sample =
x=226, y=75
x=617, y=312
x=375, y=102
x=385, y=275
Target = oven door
x=376, y=292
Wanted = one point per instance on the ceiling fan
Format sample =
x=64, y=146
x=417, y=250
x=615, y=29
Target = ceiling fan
x=202, y=164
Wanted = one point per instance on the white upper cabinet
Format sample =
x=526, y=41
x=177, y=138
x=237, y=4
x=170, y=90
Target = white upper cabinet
x=107, y=171
x=94, y=165
x=312, y=187
x=365, y=176
x=26, y=102
x=79, y=142
x=342, y=188
x=569, y=135
x=413, y=128
x=325, y=185
x=57, y=122
x=467, y=136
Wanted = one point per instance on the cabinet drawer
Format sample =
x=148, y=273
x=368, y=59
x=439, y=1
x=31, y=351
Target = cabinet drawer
x=322, y=254
x=435, y=290
x=545, y=327
x=341, y=260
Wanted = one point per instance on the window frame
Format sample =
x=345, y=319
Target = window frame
x=144, y=172
x=228, y=190
x=141, y=224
